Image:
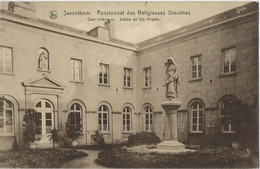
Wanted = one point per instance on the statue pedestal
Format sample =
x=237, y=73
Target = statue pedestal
x=170, y=140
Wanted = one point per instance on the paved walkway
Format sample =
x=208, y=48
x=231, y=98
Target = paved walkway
x=84, y=162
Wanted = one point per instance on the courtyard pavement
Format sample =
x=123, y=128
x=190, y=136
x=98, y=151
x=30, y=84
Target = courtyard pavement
x=84, y=162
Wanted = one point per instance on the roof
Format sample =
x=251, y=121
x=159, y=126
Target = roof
x=203, y=24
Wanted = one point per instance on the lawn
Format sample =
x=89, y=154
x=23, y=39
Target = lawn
x=41, y=158
x=208, y=157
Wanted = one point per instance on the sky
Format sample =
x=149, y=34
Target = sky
x=134, y=31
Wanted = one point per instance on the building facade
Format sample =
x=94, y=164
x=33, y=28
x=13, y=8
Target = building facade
x=117, y=87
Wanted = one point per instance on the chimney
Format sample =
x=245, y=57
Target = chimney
x=100, y=33
x=110, y=26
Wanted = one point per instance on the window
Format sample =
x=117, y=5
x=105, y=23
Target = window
x=76, y=70
x=148, y=118
x=197, y=117
x=226, y=117
x=103, y=123
x=76, y=116
x=104, y=74
x=127, y=77
x=147, y=77
x=43, y=61
x=229, y=58
x=6, y=62
x=196, y=71
x=6, y=117
x=127, y=119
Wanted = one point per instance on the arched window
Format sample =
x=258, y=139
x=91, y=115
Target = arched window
x=43, y=60
x=103, y=118
x=148, y=118
x=127, y=119
x=227, y=108
x=76, y=116
x=197, y=112
x=6, y=117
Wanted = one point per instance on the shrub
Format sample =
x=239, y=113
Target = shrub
x=98, y=138
x=221, y=157
x=32, y=129
x=73, y=130
x=143, y=138
x=54, y=137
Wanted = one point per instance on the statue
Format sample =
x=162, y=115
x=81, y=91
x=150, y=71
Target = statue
x=43, y=61
x=172, y=79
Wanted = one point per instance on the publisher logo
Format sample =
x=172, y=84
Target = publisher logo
x=53, y=14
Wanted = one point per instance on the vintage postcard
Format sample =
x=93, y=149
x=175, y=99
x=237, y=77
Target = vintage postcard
x=129, y=84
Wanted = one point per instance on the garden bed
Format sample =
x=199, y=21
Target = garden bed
x=135, y=157
x=41, y=158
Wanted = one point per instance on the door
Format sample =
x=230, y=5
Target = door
x=45, y=112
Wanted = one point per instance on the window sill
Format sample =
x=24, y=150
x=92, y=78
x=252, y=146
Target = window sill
x=227, y=74
x=5, y=73
x=150, y=87
x=105, y=132
x=127, y=132
x=40, y=70
x=105, y=85
x=228, y=132
x=74, y=81
x=7, y=135
x=128, y=88
x=195, y=79
x=196, y=132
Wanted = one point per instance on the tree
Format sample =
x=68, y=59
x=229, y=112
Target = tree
x=73, y=129
x=54, y=138
x=245, y=120
x=32, y=127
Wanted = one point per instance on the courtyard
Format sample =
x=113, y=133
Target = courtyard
x=128, y=156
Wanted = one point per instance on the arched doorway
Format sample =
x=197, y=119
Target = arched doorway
x=45, y=112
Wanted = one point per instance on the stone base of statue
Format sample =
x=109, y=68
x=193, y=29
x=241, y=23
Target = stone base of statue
x=170, y=138
x=170, y=145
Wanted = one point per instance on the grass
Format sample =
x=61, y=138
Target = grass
x=41, y=158
x=137, y=157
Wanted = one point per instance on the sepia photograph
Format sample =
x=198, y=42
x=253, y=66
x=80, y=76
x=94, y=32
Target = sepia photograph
x=117, y=84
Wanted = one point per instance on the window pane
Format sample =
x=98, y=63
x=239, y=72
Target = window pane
x=8, y=113
x=39, y=104
x=200, y=113
x=194, y=106
x=233, y=66
x=77, y=107
x=200, y=120
x=48, y=129
x=194, y=113
x=194, y=127
x=48, y=115
x=48, y=123
x=194, y=121
x=100, y=77
x=105, y=128
x=200, y=127
x=47, y=105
